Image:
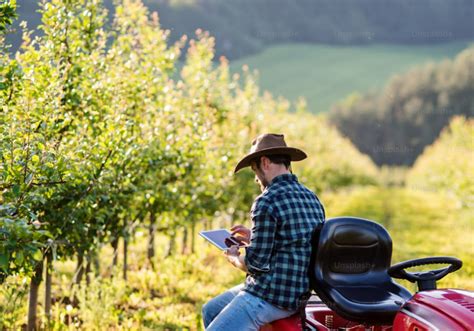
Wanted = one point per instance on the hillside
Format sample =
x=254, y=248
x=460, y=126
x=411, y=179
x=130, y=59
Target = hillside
x=394, y=124
x=244, y=27
x=327, y=74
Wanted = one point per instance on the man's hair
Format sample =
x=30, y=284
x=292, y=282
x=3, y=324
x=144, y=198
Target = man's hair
x=277, y=159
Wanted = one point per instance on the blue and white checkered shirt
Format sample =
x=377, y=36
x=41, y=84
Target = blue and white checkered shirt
x=284, y=217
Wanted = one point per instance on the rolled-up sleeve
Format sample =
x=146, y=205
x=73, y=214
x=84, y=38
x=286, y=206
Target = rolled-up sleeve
x=259, y=253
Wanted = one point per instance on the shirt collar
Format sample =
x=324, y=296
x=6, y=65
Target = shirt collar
x=284, y=178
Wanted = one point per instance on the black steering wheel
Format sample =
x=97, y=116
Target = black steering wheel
x=426, y=279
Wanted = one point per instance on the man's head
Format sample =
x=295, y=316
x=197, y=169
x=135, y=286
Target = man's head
x=267, y=167
x=269, y=155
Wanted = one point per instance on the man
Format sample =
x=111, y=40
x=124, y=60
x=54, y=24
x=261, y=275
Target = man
x=279, y=244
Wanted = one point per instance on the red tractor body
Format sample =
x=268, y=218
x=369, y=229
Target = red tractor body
x=443, y=310
x=448, y=309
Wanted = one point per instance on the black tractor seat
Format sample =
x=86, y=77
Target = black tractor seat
x=348, y=271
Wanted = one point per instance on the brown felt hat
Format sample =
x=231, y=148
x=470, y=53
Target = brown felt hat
x=270, y=144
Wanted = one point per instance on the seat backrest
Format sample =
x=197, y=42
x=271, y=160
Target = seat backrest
x=348, y=271
x=350, y=250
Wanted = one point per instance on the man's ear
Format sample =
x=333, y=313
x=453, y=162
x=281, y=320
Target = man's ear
x=265, y=162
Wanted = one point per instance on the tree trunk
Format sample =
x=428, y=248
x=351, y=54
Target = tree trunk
x=184, y=248
x=47, y=289
x=96, y=263
x=171, y=245
x=33, y=297
x=79, y=268
x=151, y=239
x=193, y=237
x=78, y=274
x=125, y=251
x=88, y=268
x=115, y=242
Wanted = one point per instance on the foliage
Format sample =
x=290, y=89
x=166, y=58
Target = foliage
x=7, y=14
x=12, y=298
x=98, y=131
x=20, y=246
x=394, y=125
x=447, y=164
x=18, y=243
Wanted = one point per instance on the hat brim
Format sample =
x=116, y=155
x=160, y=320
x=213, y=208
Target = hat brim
x=295, y=154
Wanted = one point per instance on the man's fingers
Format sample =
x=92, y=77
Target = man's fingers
x=236, y=233
x=242, y=239
x=241, y=233
x=239, y=238
x=240, y=229
x=233, y=251
x=237, y=227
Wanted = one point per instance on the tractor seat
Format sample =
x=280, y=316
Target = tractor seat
x=348, y=271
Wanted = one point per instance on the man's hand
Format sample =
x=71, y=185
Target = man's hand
x=232, y=252
x=241, y=233
x=234, y=257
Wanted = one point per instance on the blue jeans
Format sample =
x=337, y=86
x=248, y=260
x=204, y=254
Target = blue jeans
x=238, y=310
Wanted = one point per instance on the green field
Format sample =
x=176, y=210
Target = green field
x=326, y=74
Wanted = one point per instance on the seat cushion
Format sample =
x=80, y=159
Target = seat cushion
x=369, y=294
x=370, y=304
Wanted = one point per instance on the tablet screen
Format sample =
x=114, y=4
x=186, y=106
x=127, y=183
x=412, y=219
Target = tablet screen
x=221, y=238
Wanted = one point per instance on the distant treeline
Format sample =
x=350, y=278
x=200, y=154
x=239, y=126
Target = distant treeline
x=394, y=125
x=242, y=27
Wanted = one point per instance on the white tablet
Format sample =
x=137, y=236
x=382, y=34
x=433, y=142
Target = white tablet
x=221, y=238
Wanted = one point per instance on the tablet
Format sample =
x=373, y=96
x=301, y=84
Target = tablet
x=221, y=238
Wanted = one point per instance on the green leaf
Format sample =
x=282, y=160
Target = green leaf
x=3, y=261
x=29, y=178
x=19, y=258
x=38, y=256
x=16, y=190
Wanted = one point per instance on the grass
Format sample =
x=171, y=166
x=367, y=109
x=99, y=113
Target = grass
x=327, y=74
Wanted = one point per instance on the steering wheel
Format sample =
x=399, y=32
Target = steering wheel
x=426, y=279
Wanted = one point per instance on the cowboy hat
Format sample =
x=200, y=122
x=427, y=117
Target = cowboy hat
x=269, y=144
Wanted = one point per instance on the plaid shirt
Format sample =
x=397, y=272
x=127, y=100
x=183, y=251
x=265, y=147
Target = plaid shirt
x=277, y=259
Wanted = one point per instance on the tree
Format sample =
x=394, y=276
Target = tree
x=446, y=164
x=394, y=125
